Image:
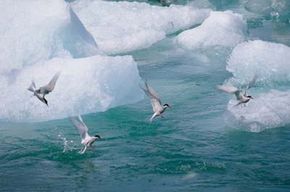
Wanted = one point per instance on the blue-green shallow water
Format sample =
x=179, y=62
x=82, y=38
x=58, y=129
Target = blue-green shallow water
x=191, y=149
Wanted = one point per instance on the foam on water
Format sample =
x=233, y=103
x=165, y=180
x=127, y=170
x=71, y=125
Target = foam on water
x=120, y=27
x=268, y=61
x=273, y=8
x=86, y=85
x=219, y=29
x=32, y=31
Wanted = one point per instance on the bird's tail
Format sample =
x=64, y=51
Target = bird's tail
x=32, y=87
x=153, y=116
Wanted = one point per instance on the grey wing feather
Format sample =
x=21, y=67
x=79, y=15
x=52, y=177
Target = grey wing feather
x=238, y=94
x=151, y=92
x=50, y=86
x=80, y=126
x=156, y=105
x=155, y=100
x=252, y=82
x=230, y=89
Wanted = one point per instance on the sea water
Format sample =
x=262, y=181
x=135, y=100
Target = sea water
x=105, y=50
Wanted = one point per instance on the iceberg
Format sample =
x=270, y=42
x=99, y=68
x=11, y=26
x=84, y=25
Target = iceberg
x=120, y=27
x=40, y=38
x=32, y=31
x=267, y=110
x=219, y=29
x=268, y=61
x=86, y=85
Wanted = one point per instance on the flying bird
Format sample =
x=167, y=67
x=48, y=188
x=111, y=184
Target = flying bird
x=87, y=140
x=241, y=94
x=158, y=108
x=243, y=98
x=44, y=90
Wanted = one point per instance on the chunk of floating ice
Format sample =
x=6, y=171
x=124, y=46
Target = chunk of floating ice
x=268, y=61
x=85, y=85
x=219, y=29
x=37, y=30
x=268, y=110
x=120, y=27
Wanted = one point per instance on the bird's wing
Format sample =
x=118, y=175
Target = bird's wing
x=239, y=94
x=156, y=105
x=155, y=100
x=42, y=99
x=80, y=126
x=50, y=86
x=149, y=91
x=252, y=82
x=230, y=89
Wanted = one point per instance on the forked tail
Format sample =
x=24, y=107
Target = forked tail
x=32, y=87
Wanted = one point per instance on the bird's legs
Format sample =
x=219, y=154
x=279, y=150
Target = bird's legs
x=83, y=150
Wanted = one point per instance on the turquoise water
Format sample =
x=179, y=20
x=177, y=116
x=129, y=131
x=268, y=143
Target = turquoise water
x=194, y=148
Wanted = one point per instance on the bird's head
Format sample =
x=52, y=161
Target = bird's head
x=166, y=105
x=250, y=97
x=98, y=137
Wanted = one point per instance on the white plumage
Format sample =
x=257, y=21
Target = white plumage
x=157, y=106
x=44, y=90
x=87, y=140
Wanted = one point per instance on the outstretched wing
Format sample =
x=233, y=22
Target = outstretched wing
x=252, y=82
x=32, y=87
x=227, y=88
x=150, y=92
x=230, y=89
x=156, y=105
x=80, y=126
x=50, y=86
x=155, y=100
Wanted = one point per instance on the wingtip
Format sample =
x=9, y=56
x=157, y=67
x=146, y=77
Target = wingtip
x=145, y=89
x=219, y=87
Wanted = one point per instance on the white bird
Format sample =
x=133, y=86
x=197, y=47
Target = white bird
x=44, y=90
x=87, y=140
x=243, y=98
x=240, y=96
x=158, y=108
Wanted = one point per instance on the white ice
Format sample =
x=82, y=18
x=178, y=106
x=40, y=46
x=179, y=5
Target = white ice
x=268, y=61
x=86, y=85
x=39, y=38
x=266, y=110
x=219, y=29
x=120, y=27
x=37, y=30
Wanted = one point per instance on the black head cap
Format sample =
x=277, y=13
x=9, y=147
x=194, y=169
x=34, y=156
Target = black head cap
x=249, y=96
x=98, y=136
x=166, y=105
